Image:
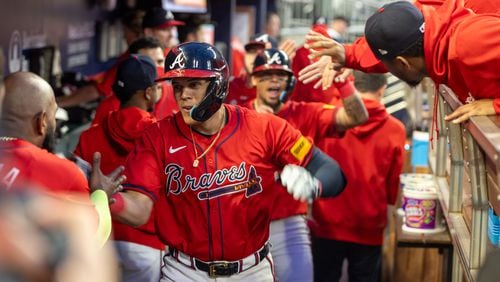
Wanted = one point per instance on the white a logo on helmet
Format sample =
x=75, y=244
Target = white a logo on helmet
x=383, y=52
x=179, y=62
x=275, y=59
x=262, y=38
x=422, y=27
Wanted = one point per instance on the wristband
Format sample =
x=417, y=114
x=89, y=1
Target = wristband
x=346, y=89
x=100, y=201
x=119, y=204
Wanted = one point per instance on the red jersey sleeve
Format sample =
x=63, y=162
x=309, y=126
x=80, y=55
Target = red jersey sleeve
x=143, y=164
x=325, y=124
x=478, y=66
x=289, y=145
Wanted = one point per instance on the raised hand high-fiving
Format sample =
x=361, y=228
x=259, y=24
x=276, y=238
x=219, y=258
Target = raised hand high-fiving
x=111, y=183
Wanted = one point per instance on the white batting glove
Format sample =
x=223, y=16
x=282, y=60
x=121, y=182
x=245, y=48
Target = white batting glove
x=300, y=183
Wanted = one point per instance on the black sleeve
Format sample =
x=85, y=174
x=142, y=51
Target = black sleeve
x=328, y=172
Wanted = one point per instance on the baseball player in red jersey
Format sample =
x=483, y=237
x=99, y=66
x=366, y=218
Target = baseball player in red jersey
x=273, y=79
x=210, y=173
x=241, y=89
x=165, y=105
x=28, y=129
x=139, y=250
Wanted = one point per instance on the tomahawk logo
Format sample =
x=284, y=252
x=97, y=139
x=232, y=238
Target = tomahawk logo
x=275, y=59
x=262, y=38
x=179, y=61
x=383, y=52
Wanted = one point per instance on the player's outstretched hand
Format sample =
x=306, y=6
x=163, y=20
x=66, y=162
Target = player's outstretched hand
x=111, y=183
x=289, y=47
x=300, y=183
x=322, y=68
x=320, y=45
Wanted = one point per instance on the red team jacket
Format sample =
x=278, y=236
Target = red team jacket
x=220, y=210
x=359, y=214
x=114, y=137
x=314, y=120
x=460, y=48
x=239, y=93
x=24, y=163
x=165, y=107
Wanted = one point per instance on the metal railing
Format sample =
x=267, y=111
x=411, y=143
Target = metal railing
x=466, y=158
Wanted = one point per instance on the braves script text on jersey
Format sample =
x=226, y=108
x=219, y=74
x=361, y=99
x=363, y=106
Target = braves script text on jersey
x=221, y=209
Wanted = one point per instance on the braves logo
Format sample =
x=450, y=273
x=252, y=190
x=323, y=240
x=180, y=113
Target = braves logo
x=179, y=61
x=240, y=180
x=275, y=59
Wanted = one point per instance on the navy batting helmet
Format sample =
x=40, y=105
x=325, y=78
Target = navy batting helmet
x=200, y=60
x=273, y=59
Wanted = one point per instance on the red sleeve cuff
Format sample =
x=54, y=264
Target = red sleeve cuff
x=496, y=105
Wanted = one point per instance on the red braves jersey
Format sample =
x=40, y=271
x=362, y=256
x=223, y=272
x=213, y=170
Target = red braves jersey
x=114, y=137
x=165, y=107
x=22, y=163
x=221, y=209
x=239, y=93
x=314, y=120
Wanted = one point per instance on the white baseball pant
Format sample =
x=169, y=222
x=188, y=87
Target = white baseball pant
x=139, y=262
x=291, y=247
x=173, y=270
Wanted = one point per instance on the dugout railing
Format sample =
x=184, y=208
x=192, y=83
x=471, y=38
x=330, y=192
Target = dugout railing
x=465, y=158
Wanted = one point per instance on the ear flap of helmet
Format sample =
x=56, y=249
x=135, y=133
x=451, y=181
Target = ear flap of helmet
x=211, y=103
x=285, y=94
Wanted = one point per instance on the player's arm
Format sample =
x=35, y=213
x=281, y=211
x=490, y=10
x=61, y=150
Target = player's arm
x=322, y=177
x=131, y=207
x=328, y=173
x=82, y=95
x=353, y=112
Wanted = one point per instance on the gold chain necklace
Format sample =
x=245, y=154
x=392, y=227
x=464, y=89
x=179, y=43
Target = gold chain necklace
x=7, y=138
x=197, y=158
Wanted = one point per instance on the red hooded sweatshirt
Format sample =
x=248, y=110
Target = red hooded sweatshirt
x=371, y=156
x=114, y=137
x=165, y=107
x=460, y=48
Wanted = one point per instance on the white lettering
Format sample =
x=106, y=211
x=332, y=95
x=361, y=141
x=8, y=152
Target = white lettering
x=275, y=59
x=179, y=61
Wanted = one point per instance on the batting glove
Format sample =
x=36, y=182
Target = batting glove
x=300, y=183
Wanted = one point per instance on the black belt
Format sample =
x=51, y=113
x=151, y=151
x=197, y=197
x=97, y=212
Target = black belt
x=225, y=268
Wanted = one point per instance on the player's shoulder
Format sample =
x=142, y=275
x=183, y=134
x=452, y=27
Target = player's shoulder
x=250, y=115
x=395, y=123
x=91, y=131
x=51, y=162
x=304, y=108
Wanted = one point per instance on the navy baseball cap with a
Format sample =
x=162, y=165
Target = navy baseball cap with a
x=393, y=29
x=158, y=17
x=137, y=72
x=260, y=40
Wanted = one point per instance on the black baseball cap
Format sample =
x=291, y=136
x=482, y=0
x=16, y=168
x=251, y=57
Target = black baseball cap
x=158, y=17
x=394, y=28
x=260, y=40
x=137, y=72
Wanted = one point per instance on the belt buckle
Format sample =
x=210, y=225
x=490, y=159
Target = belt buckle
x=213, y=267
